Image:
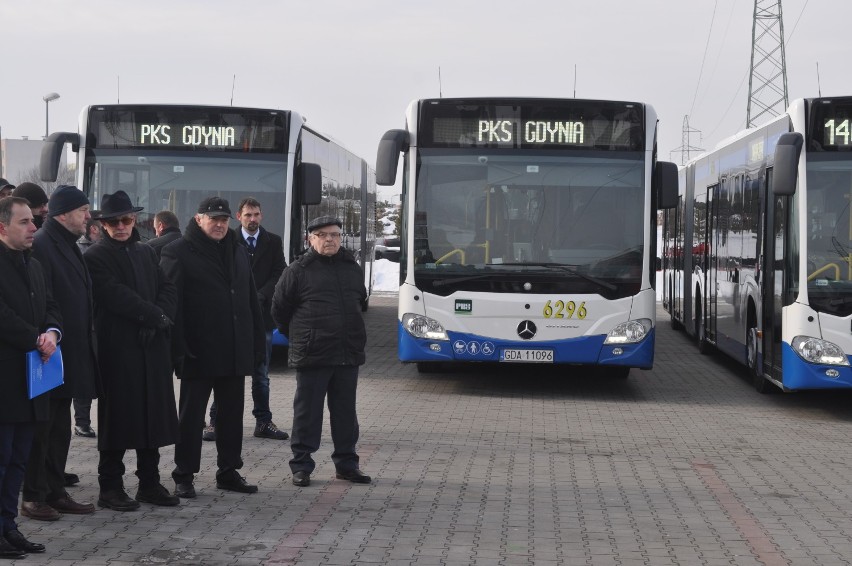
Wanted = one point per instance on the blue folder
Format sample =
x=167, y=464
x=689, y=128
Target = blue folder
x=44, y=376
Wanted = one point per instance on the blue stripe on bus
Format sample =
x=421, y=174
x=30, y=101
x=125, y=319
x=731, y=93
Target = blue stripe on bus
x=471, y=348
x=799, y=374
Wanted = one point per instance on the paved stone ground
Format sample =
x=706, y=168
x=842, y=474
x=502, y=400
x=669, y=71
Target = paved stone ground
x=681, y=465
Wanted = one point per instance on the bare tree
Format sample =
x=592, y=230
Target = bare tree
x=65, y=177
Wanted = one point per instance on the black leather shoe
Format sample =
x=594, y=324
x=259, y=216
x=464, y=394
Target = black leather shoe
x=185, y=490
x=157, y=495
x=269, y=430
x=209, y=433
x=71, y=479
x=235, y=482
x=355, y=476
x=84, y=430
x=302, y=479
x=7, y=550
x=117, y=500
x=17, y=540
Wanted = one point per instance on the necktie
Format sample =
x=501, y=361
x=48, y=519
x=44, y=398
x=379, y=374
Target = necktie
x=250, y=241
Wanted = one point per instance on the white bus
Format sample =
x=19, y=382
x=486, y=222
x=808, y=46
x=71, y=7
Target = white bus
x=170, y=157
x=758, y=252
x=528, y=230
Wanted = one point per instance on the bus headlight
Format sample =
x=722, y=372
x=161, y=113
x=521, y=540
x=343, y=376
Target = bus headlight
x=421, y=326
x=629, y=332
x=818, y=351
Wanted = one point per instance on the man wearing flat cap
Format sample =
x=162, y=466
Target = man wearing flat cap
x=217, y=341
x=134, y=306
x=317, y=305
x=55, y=247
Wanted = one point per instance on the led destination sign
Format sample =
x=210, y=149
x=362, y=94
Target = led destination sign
x=529, y=123
x=831, y=125
x=195, y=128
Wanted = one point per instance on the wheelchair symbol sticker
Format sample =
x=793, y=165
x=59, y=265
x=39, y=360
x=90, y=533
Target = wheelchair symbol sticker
x=487, y=348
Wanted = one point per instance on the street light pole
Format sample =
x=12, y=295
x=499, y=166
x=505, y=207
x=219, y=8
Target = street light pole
x=47, y=99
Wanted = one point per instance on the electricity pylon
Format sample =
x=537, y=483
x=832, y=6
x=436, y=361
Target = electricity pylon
x=685, y=147
x=767, y=83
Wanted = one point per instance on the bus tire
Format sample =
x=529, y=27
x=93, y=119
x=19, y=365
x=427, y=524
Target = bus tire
x=430, y=367
x=619, y=372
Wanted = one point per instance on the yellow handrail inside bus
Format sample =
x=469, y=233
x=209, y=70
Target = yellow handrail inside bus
x=825, y=268
x=456, y=251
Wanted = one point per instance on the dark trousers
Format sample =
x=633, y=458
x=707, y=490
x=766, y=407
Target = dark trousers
x=83, y=412
x=229, y=394
x=111, y=468
x=340, y=384
x=45, y=476
x=15, y=442
x=259, y=389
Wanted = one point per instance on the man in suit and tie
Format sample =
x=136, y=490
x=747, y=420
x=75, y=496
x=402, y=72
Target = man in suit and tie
x=267, y=264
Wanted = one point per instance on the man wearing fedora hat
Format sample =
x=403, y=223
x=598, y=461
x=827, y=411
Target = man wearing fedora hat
x=134, y=306
x=55, y=246
x=218, y=339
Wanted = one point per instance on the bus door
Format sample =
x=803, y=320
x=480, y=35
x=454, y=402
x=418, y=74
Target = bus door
x=714, y=245
x=772, y=288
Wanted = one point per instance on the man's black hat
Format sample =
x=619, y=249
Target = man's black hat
x=34, y=194
x=214, y=206
x=116, y=204
x=324, y=221
x=64, y=199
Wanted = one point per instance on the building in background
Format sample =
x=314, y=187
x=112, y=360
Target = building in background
x=19, y=161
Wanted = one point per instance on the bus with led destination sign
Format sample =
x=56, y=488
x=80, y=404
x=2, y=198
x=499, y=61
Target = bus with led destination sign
x=758, y=252
x=170, y=157
x=527, y=231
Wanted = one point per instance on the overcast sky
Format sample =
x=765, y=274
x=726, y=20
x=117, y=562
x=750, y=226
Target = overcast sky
x=352, y=67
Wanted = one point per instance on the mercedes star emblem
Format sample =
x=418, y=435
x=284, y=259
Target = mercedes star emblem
x=526, y=329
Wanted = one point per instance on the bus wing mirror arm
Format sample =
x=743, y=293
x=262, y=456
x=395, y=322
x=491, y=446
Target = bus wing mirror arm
x=786, y=168
x=665, y=184
x=51, y=153
x=387, y=159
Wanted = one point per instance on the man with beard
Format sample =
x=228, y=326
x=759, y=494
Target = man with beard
x=55, y=247
x=218, y=339
x=134, y=306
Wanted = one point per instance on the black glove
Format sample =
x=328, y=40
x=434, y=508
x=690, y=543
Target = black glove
x=163, y=322
x=145, y=335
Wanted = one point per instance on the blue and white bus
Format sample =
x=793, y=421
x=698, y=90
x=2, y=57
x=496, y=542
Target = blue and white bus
x=170, y=157
x=758, y=251
x=528, y=230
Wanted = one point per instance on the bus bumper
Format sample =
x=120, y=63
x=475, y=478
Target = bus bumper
x=799, y=374
x=589, y=350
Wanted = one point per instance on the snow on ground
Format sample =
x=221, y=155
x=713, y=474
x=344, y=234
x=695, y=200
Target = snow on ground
x=387, y=275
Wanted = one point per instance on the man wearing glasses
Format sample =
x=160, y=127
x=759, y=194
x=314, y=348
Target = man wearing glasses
x=134, y=306
x=317, y=305
x=218, y=339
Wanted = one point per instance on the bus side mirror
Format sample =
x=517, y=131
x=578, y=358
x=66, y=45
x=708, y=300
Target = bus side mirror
x=310, y=180
x=387, y=159
x=786, y=168
x=665, y=184
x=51, y=153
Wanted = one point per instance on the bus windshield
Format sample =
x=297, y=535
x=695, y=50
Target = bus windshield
x=494, y=219
x=829, y=240
x=158, y=180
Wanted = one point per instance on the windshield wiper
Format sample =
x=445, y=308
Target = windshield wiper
x=573, y=271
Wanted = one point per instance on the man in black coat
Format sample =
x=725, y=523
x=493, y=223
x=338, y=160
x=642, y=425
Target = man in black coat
x=218, y=338
x=55, y=246
x=267, y=264
x=29, y=319
x=317, y=305
x=167, y=229
x=134, y=306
